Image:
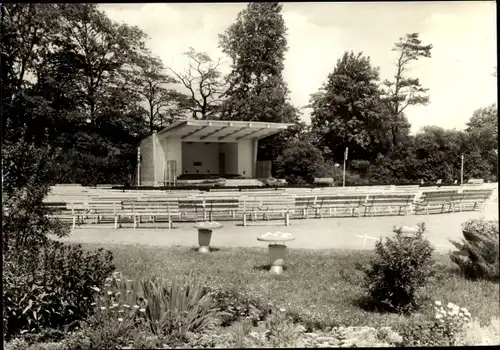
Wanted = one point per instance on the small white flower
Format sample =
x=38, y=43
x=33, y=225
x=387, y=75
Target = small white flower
x=126, y=306
x=120, y=319
x=282, y=309
x=96, y=289
x=438, y=316
x=110, y=292
x=450, y=305
x=130, y=281
x=103, y=308
x=115, y=305
x=136, y=306
x=118, y=280
x=437, y=302
x=142, y=310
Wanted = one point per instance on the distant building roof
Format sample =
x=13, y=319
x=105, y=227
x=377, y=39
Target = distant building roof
x=221, y=130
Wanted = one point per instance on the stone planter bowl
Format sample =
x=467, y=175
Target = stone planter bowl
x=205, y=234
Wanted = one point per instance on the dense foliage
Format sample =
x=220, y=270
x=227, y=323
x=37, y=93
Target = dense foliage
x=401, y=266
x=75, y=80
x=52, y=288
x=478, y=253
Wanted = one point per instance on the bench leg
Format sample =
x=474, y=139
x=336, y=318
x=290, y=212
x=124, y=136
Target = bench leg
x=244, y=219
x=287, y=219
x=116, y=222
x=135, y=221
x=74, y=222
x=169, y=222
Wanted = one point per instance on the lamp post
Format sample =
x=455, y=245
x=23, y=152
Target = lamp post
x=345, y=159
x=462, y=171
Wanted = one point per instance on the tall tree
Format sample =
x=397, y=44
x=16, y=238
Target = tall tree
x=26, y=34
x=204, y=83
x=347, y=110
x=150, y=81
x=256, y=44
x=482, y=145
x=405, y=91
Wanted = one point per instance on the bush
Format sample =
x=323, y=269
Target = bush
x=53, y=288
x=235, y=306
x=26, y=174
x=478, y=254
x=400, y=267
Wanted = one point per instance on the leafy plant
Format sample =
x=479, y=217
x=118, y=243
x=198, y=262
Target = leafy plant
x=177, y=308
x=400, y=267
x=236, y=306
x=451, y=322
x=53, y=288
x=478, y=254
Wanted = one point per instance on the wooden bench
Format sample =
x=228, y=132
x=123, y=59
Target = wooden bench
x=61, y=211
x=153, y=209
x=304, y=202
x=472, y=199
x=436, y=201
x=323, y=181
x=191, y=208
x=339, y=203
x=220, y=205
x=280, y=204
x=102, y=209
x=384, y=203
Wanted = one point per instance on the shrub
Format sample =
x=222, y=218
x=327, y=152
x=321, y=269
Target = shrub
x=478, y=254
x=53, y=288
x=444, y=329
x=400, y=267
x=26, y=174
x=236, y=306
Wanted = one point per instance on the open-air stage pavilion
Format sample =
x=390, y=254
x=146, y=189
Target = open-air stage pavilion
x=201, y=148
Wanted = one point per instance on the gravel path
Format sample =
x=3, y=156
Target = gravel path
x=343, y=233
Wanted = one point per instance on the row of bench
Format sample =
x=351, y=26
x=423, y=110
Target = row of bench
x=265, y=205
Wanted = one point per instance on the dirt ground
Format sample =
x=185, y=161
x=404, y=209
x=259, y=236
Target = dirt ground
x=342, y=233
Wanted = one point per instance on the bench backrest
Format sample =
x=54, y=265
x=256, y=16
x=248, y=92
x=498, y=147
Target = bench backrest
x=279, y=202
x=438, y=196
x=391, y=198
x=104, y=207
x=150, y=206
x=476, y=194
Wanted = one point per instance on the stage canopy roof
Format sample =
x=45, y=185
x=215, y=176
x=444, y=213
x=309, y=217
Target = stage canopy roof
x=221, y=131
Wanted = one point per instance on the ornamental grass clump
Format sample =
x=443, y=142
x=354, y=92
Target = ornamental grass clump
x=400, y=267
x=478, y=254
x=176, y=309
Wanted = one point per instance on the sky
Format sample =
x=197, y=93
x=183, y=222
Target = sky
x=458, y=75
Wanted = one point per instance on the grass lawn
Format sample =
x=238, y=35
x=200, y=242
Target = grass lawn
x=320, y=283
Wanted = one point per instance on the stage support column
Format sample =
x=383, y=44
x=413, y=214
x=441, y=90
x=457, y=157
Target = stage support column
x=255, y=149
